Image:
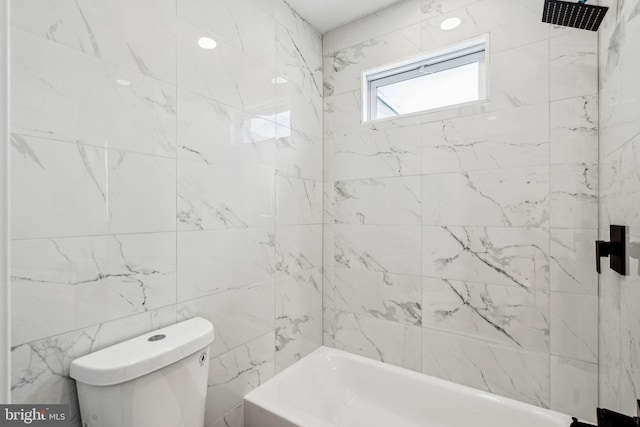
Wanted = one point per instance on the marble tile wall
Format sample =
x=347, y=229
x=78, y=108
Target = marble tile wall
x=459, y=243
x=154, y=181
x=620, y=201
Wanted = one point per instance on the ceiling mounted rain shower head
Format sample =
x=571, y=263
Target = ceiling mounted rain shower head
x=575, y=15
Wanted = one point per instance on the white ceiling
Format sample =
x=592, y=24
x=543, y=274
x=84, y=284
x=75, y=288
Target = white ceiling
x=325, y=15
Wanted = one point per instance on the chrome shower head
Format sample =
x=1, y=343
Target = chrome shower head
x=575, y=15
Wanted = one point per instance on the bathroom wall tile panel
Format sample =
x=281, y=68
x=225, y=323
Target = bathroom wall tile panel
x=299, y=58
x=213, y=197
x=382, y=248
x=238, y=23
x=519, y=77
x=517, y=24
x=572, y=255
x=609, y=388
x=574, y=130
x=141, y=193
x=497, y=256
x=393, y=152
x=224, y=74
x=58, y=189
x=233, y=418
x=574, y=196
x=574, y=387
x=574, y=65
x=138, y=35
x=237, y=372
x=213, y=133
x=214, y=261
x=386, y=296
x=610, y=321
x=378, y=339
x=574, y=326
x=298, y=248
x=298, y=316
x=348, y=63
x=298, y=154
x=378, y=201
x=506, y=315
x=66, y=189
x=299, y=201
x=239, y=315
x=630, y=327
x=298, y=109
x=510, y=372
x=40, y=369
x=501, y=197
x=51, y=98
x=620, y=188
x=329, y=202
x=84, y=281
x=307, y=38
x=390, y=19
x=619, y=122
x=516, y=137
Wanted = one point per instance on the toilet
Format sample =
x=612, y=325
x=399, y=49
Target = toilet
x=157, y=379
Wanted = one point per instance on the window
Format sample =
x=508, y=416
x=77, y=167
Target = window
x=441, y=79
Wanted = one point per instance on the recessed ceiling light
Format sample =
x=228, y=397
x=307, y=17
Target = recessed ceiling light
x=207, y=43
x=279, y=80
x=450, y=23
x=123, y=82
x=492, y=118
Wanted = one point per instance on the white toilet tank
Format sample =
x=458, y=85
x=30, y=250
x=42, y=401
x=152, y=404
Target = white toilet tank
x=156, y=380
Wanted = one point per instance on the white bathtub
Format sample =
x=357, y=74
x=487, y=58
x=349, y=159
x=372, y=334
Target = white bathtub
x=332, y=388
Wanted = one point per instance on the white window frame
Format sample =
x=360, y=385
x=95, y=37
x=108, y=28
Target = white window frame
x=468, y=52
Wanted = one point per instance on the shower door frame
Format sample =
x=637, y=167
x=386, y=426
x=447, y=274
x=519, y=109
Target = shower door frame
x=5, y=295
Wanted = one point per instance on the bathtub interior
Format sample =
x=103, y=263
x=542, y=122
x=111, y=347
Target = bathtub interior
x=334, y=388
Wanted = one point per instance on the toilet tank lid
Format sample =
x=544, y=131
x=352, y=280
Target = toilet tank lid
x=142, y=355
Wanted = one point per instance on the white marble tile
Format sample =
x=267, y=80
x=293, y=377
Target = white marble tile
x=378, y=201
x=40, y=370
x=141, y=195
x=618, y=120
x=518, y=374
x=574, y=196
x=436, y=8
x=67, y=189
x=393, y=152
x=296, y=107
x=610, y=320
x=350, y=62
x=237, y=372
x=298, y=316
x=234, y=418
x=213, y=261
x=574, y=130
x=574, y=326
x=299, y=59
x=574, y=65
x=238, y=23
x=299, y=201
x=572, y=255
x=519, y=77
x=307, y=38
x=64, y=284
x=328, y=203
x=238, y=315
x=58, y=189
x=345, y=115
x=298, y=155
x=609, y=388
x=574, y=387
x=392, y=18
x=620, y=187
x=138, y=35
x=382, y=295
x=503, y=314
x=389, y=342
x=213, y=197
x=516, y=24
x=384, y=248
x=501, y=197
x=499, y=256
x=511, y=138
x=298, y=248
x=224, y=74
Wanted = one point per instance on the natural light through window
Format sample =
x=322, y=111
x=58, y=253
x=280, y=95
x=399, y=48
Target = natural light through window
x=442, y=79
